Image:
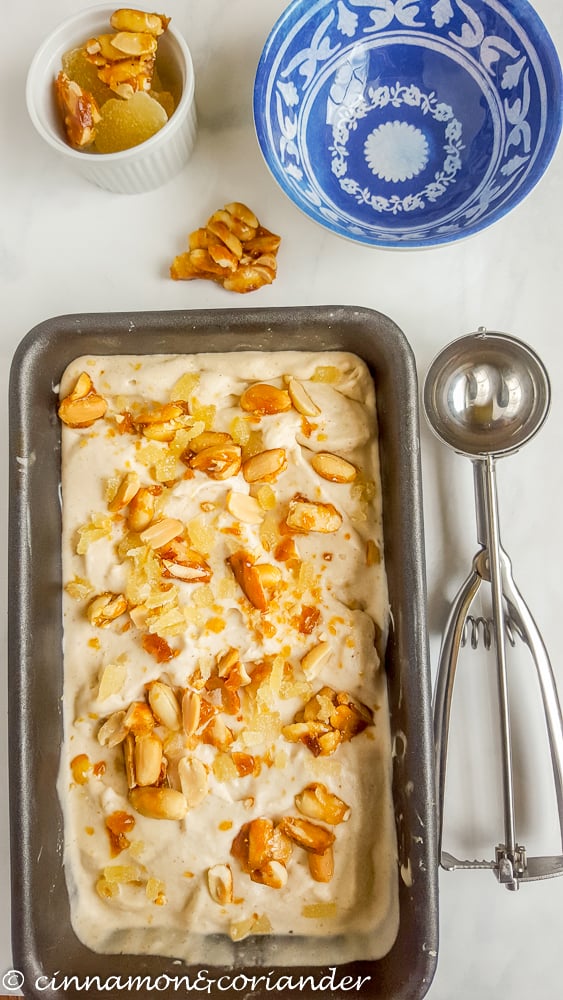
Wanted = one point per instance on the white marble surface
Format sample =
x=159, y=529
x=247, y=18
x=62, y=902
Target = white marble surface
x=66, y=246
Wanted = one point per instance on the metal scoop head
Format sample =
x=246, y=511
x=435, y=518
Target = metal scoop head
x=486, y=394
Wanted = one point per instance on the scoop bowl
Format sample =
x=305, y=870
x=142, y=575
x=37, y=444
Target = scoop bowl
x=486, y=394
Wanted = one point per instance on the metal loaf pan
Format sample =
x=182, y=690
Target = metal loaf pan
x=44, y=945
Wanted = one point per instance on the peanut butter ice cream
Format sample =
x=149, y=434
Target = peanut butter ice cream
x=226, y=769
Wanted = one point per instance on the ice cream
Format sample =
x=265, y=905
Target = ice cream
x=225, y=776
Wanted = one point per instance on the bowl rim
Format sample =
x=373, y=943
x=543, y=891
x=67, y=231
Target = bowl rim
x=83, y=156
x=522, y=13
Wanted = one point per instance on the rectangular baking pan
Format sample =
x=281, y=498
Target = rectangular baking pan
x=45, y=948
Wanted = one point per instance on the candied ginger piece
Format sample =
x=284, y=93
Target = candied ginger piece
x=112, y=680
x=184, y=388
x=127, y=123
x=326, y=373
x=166, y=99
x=79, y=588
x=166, y=82
x=97, y=527
x=80, y=112
x=78, y=68
x=320, y=911
x=255, y=924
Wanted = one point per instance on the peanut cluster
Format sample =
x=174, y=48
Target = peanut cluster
x=233, y=249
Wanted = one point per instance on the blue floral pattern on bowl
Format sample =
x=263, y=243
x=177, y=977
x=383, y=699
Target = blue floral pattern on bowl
x=408, y=122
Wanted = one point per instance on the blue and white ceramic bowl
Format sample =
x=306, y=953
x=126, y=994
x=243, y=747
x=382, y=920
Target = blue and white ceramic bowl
x=408, y=123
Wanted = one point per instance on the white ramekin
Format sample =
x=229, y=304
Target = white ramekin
x=130, y=171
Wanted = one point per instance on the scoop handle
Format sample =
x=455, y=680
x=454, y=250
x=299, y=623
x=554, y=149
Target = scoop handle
x=521, y=617
x=443, y=690
x=484, y=477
